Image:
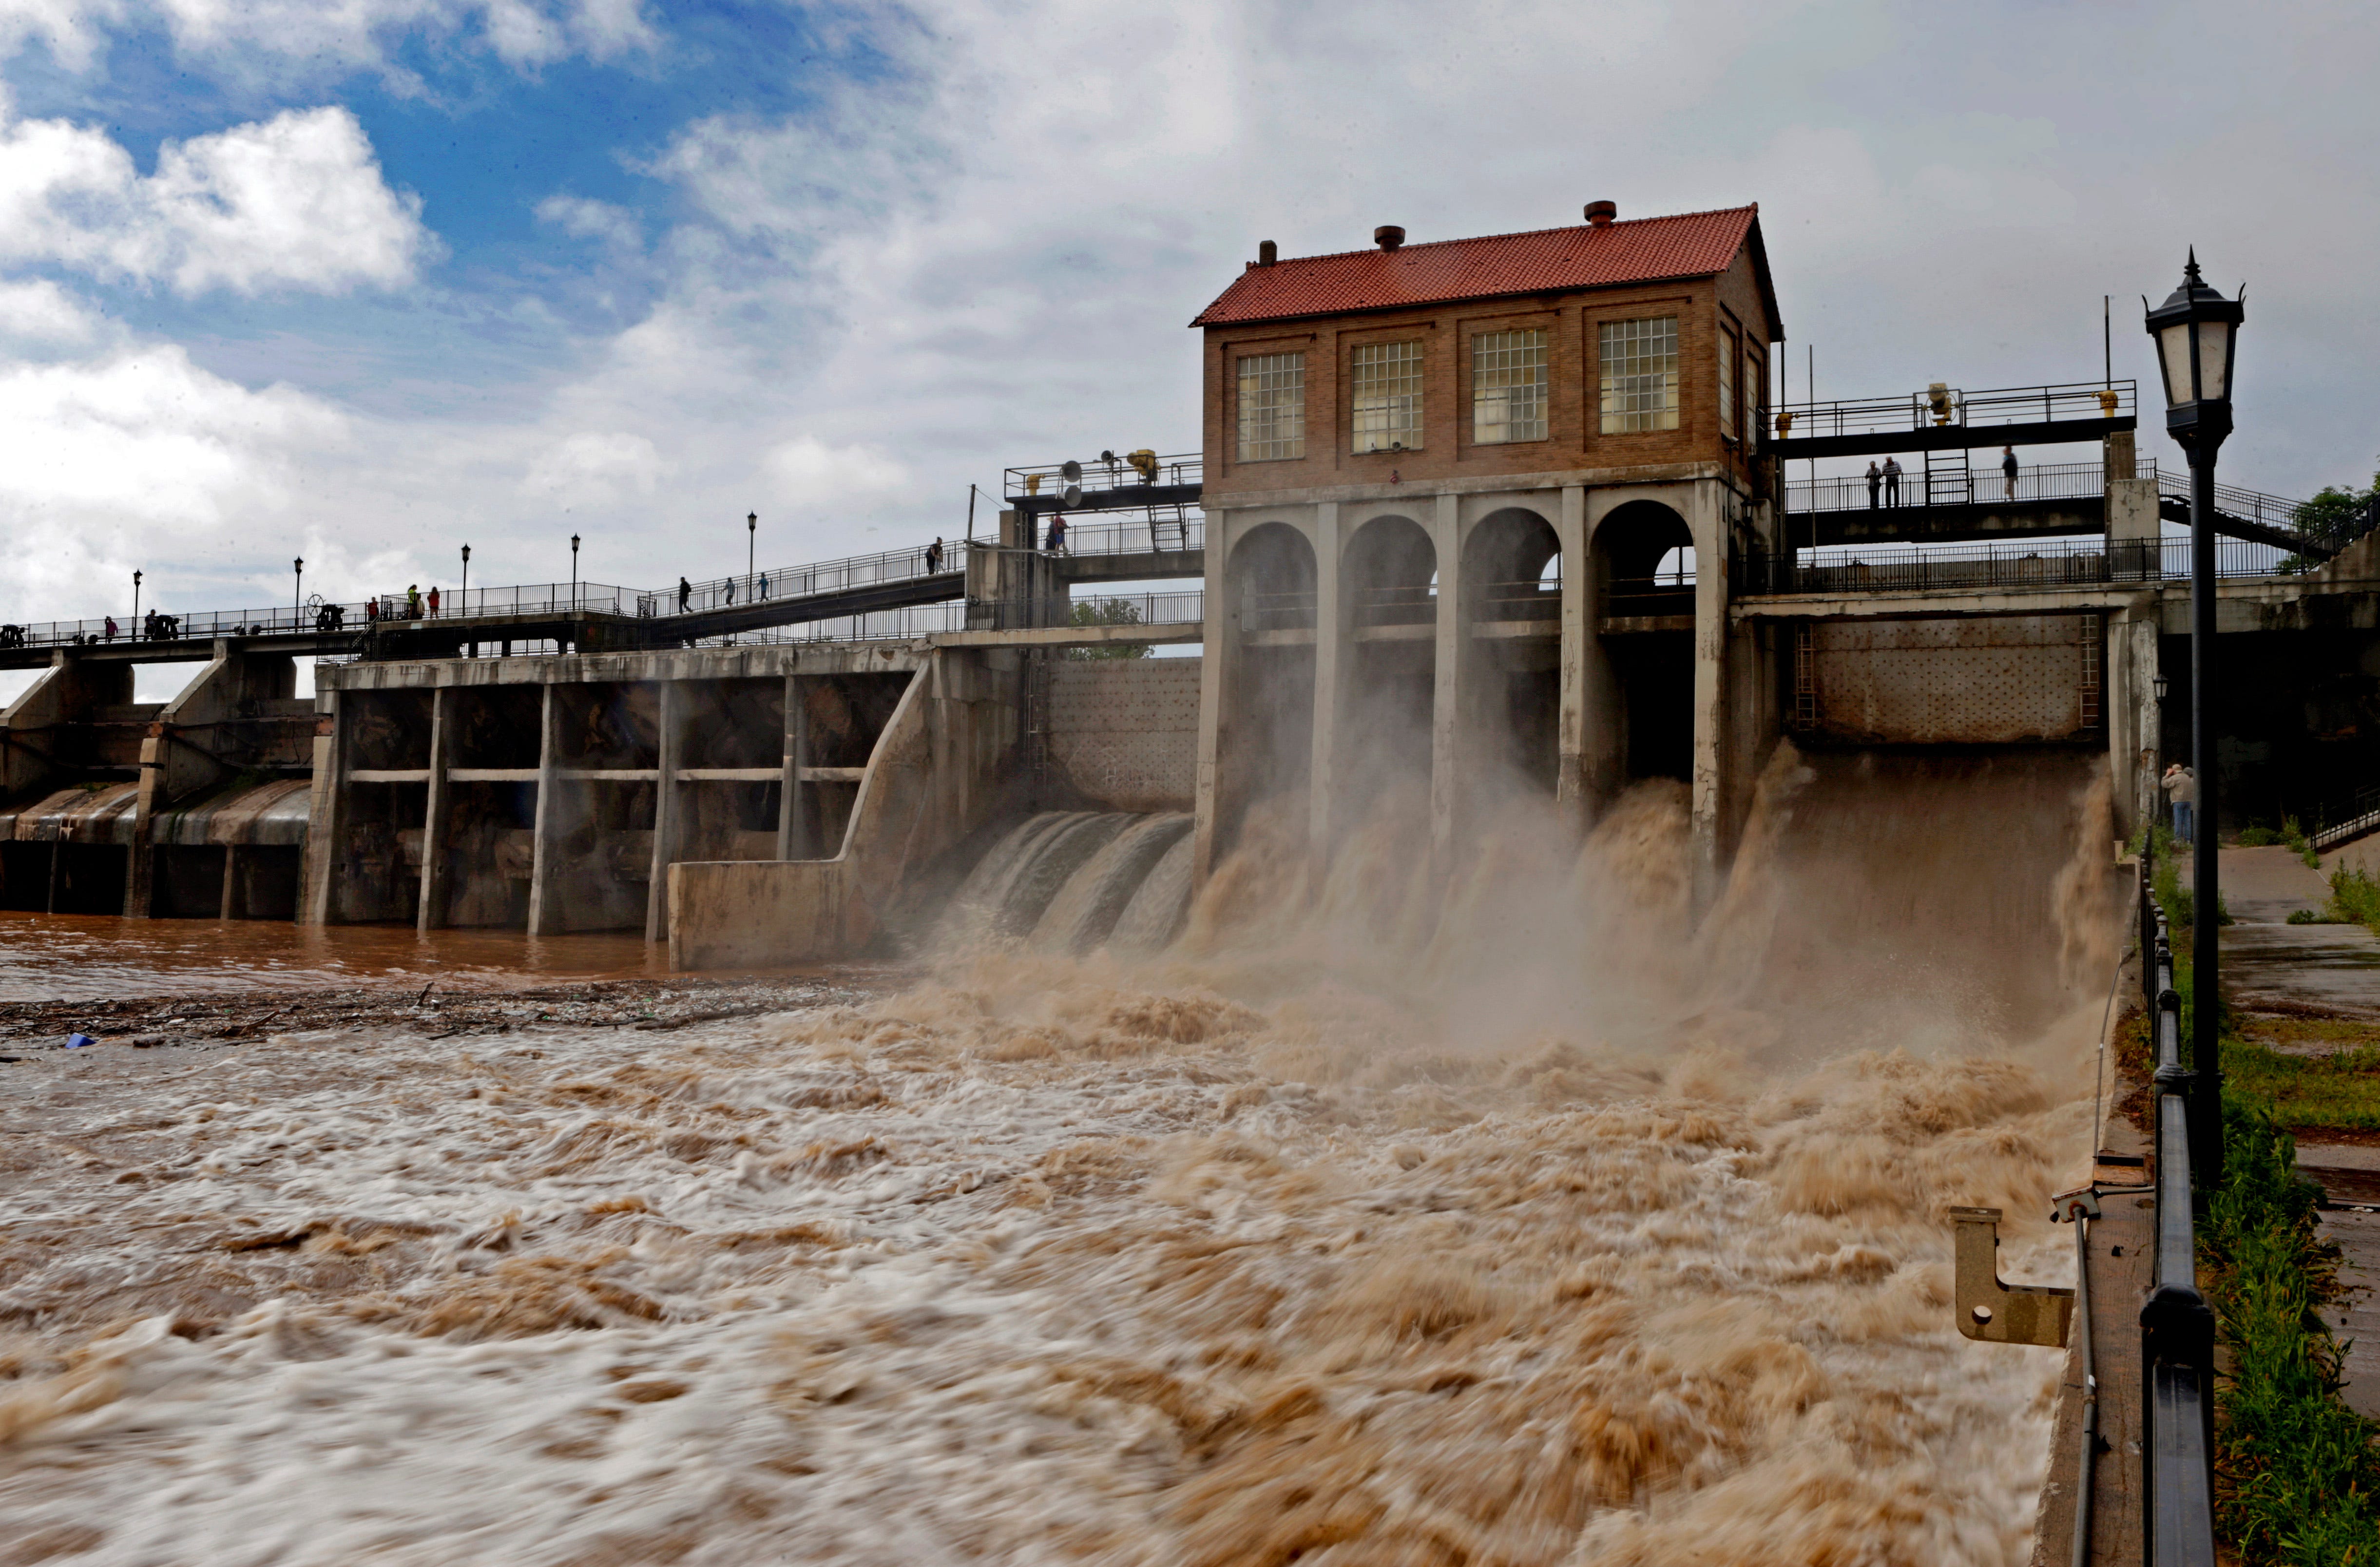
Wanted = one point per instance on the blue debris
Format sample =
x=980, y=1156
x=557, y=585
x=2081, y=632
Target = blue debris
x=76, y=1041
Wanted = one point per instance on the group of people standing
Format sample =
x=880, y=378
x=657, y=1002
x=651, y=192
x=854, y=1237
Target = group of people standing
x=1884, y=483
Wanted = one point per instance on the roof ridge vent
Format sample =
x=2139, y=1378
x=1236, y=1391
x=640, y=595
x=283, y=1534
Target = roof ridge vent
x=1602, y=215
x=1388, y=236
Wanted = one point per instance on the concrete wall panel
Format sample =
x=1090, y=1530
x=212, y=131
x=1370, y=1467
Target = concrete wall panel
x=1123, y=733
x=1958, y=682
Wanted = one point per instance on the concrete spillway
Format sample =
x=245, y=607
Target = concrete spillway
x=1073, y=882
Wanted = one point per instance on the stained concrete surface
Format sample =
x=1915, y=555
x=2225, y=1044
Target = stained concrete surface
x=2271, y=966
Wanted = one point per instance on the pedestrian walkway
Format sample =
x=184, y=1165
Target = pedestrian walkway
x=2270, y=965
x=2276, y=968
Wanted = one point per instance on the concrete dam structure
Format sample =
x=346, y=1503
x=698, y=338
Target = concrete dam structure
x=1494, y=521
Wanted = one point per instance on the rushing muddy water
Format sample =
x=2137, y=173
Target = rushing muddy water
x=100, y=958
x=1514, y=1221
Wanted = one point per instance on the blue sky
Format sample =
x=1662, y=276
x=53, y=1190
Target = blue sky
x=364, y=281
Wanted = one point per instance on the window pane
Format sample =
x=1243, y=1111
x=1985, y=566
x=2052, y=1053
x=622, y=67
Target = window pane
x=1272, y=407
x=1639, y=364
x=1387, y=398
x=1727, y=351
x=1755, y=396
x=1508, y=386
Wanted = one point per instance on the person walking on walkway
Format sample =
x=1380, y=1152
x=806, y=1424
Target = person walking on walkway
x=111, y=628
x=934, y=556
x=2181, y=782
x=433, y=600
x=2008, y=469
x=1893, y=482
x=1058, y=533
x=1874, y=477
x=685, y=594
x=413, y=600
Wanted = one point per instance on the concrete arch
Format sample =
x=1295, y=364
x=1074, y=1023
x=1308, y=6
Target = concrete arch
x=1634, y=537
x=1390, y=565
x=1504, y=558
x=1271, y=576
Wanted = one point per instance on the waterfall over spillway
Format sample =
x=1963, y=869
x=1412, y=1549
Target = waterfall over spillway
x=1073, y=882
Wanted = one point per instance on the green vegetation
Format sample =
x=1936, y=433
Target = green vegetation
x=2298, y=1475
x=2287, y=832
x=2354, y=898
x=1107, y=611
x=2297, y=1466
x=2155, y=844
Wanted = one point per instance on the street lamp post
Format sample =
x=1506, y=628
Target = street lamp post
x=574, y=574
x=463, y=601
x=2196, y=330
x=752, y=541
x=298, y=604
x=136, y=603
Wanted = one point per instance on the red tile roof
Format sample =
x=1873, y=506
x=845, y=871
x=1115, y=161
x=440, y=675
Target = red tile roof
x=1639, y=250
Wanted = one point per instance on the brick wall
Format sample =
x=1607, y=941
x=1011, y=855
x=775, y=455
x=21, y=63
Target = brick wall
x=1123, y=733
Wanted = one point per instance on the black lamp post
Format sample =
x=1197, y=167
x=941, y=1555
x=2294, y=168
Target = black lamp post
x=136, y=603
x=574, y=573
x=751, y=539
x=463, y=602
x=2196, y=330
x=298, y=604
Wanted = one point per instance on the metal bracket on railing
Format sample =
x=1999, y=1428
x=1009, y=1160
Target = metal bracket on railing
x=1996, y=1313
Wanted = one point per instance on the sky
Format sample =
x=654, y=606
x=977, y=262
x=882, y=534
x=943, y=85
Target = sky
x=363, y=281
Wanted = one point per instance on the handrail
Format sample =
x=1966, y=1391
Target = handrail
x=1984, y=410
x=2042, y=562
x=2177, y=1327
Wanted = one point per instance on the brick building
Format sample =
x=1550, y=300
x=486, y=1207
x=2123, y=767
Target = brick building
x=1408, y=449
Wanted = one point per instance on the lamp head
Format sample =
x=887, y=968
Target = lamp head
x=2197, y=331
x=2159, y=682
x=751, y=522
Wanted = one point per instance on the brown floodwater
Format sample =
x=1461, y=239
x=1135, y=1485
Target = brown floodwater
x=104, y=957
x=1526, y=1220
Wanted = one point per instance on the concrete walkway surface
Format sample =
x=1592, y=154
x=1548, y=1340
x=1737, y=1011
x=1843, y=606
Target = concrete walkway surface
x=2334, y=970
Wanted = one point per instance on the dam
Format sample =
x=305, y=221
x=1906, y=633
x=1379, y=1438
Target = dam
x=1454, y=953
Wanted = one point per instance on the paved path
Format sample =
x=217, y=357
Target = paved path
x=2272, y=965
x=2334, y=970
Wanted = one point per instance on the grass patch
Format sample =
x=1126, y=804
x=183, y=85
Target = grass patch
x=2306, y=1093
x=2155, y=844
x=2354, y=898
x=2297, y=1471
x=2287, y=832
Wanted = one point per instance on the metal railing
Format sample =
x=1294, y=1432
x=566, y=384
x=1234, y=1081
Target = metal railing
x=1140, y=536
x=1102, y=476
x=2030, y=563
x=803, y=581
x=1955, y=487
x=1979, y=410
x=2336, y=822
x=911, y=622
x=2177, y=1327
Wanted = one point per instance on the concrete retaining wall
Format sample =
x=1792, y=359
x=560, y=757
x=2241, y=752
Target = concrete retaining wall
x=1123, y=733
x=940, y=771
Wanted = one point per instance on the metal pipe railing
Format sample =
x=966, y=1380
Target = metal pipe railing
x=2177, y=1325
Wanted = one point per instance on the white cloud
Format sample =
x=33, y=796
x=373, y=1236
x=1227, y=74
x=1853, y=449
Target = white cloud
x=590, y=469
x=37, y=313
x=814, y=476
x=583, y=218
x=293, y=201
x=312, y=38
